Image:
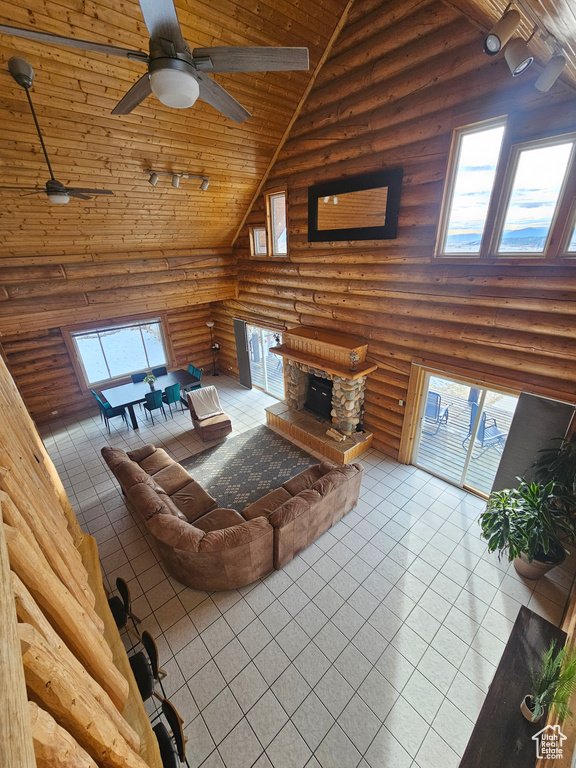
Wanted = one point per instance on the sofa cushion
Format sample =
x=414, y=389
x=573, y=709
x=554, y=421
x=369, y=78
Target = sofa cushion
x=193, y=501
x=172, y=478
x=175, y=533
x=229, y=538
x=294, y=507
x=329, y=482
x=156, y=461
x=113, y=456
x=128, y=473
x=266, y=505
x=303, y=480
x=218, y=519
x=149, y=502
x=141, y=453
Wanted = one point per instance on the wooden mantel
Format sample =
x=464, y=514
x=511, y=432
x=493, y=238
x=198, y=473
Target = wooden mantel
x=325, y=350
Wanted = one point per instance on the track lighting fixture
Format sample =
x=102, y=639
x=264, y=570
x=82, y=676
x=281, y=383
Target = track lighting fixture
x=518, y=56
x=176, y=178
x=501, y=32
x=551, y=73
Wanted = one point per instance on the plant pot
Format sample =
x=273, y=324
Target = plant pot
x=526, y=711
x=151, y=383
x=538, y=567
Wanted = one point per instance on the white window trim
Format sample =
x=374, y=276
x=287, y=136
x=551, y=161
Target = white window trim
x=504, y=200
x=448, y=194
x=253, y=251
x=270, y=222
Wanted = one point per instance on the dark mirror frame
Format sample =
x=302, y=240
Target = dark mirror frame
x=391, y=179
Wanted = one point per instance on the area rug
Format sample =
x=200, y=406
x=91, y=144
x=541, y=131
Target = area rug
x=244, y=468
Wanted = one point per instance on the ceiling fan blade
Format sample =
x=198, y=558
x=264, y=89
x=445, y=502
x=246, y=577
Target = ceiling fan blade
x=220, y=99
x=136, y=95
x=85, y=45
x=34, y=189
x=75, y=190
x=79, y=195
x=233, y=59
x=162, y=22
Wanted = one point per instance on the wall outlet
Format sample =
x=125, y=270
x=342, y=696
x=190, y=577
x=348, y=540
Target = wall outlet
x=400, y=402
x=54, y=413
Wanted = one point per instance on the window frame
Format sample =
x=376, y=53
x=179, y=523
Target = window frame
x=569, y=231
x=253, y=252
x=450, y=183
x=68, y=333
x=503, y=202
x=271, y=193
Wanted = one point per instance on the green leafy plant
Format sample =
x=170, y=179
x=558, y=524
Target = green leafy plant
x=558, y=465
x=149, y=379
x=529, y=519
x=553, y=683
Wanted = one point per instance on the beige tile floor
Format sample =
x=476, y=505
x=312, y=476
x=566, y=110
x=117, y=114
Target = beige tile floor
x=373, y=648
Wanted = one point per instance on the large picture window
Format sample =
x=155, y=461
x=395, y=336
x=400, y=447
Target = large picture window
x=118, y=350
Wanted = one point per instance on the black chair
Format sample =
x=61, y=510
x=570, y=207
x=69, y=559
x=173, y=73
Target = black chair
x=172, y=745
x=162, y=371
x=152, y=650
x=121, y=608
x=136, y=377
x=435, y=412
x=489, y=435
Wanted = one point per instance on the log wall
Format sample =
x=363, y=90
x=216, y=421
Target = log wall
x=401, y=77
x=38, y=296
x=68, y=696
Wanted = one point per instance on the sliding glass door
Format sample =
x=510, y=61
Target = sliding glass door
x=266, y=368
x=462, y=431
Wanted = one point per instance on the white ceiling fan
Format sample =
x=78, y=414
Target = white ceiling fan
x=176, y=75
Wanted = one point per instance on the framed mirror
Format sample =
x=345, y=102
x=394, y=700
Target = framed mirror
x=359, y=208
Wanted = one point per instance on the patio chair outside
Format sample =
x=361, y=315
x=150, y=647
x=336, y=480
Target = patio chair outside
x=489, y=435
x=435, y=412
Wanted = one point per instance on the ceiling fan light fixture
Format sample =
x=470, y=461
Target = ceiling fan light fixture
x=60, y=198
x=518, y=56
x=501, y=32
x=174, y=87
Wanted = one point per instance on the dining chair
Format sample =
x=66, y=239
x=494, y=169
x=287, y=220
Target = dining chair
x=121, y=608
x=172, y=395
x=99, y=402
x=107, y=412
x=154, y=402
x=136, y=377
x=146, y=670
x=195, y=372
x=172, y=745
x=162, y=371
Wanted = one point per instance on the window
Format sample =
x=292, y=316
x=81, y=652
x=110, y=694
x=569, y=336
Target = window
x=571, y=247
x=258, y=243
x=536, y=180
x=119, y=350
x=469, y=187
x=276, y=203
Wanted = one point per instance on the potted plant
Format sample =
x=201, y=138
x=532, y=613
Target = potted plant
x=527, y=523
x=558, y=465
x=150, y=379
x=552, y=685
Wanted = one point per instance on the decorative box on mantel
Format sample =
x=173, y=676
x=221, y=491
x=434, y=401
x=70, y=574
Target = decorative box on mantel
x=311, y=354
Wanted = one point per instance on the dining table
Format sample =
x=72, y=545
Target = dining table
x=128, y=395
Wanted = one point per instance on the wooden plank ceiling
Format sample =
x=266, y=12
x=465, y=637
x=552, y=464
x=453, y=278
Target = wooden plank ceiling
x=75, y=91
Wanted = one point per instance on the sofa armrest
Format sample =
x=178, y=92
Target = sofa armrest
x=141, y=453
x=293, y=508
x=228, y=538
x=175, y=533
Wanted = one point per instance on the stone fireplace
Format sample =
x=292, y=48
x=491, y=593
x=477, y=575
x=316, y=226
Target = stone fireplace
x=312, y=352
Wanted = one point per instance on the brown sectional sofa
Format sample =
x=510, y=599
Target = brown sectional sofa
x=214, y=549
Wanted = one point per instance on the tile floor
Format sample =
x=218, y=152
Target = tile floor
x=373, y=648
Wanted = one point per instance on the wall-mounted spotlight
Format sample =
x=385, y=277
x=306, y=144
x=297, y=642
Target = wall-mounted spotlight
x=501, y=32
x=176, y=178
x=518, y=56
x=551, y=73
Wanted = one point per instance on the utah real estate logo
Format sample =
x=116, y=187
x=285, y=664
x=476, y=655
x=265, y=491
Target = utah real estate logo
x=549, y=743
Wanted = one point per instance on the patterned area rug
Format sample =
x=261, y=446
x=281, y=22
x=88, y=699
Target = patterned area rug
x=244, y=468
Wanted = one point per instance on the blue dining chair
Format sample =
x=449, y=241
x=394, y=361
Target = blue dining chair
x=136, y=377
x=154, y=402
x=162, y=371
x=107, y=412
x=195, y=372
x=172, y=395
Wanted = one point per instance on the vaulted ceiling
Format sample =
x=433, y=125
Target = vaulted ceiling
x=74, y=93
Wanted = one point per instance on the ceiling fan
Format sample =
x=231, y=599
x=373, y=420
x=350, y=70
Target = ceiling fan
x=177, y=76
x=23, y=73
